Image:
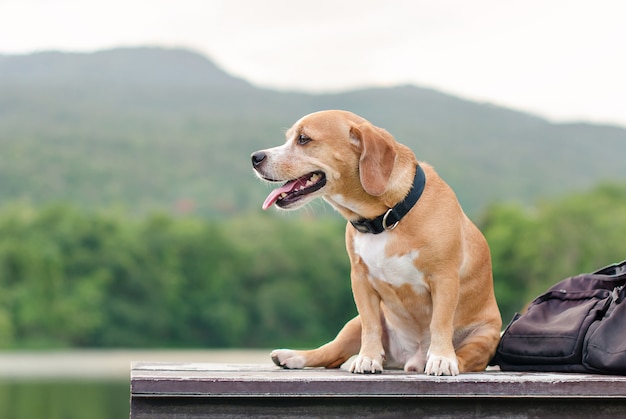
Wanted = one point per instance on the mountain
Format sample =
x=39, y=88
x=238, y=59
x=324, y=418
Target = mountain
x=153, y=128
x=127, y=66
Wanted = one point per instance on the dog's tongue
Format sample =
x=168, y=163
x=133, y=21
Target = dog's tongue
x=276, y=193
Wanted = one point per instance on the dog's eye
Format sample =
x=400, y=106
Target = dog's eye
x=303, y=139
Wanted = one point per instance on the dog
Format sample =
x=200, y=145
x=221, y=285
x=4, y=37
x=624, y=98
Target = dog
x=420, y=269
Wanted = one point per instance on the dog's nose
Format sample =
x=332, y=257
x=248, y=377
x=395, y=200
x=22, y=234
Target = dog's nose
x=258, y=157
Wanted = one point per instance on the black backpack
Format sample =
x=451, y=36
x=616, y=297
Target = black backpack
x=577, y=326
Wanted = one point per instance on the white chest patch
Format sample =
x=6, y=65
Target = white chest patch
x=396, y=270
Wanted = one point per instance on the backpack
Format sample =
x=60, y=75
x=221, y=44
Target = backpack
x=576, y=326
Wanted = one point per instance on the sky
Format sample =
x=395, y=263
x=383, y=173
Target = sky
x=561, y=59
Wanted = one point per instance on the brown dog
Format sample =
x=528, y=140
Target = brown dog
x=421, y=270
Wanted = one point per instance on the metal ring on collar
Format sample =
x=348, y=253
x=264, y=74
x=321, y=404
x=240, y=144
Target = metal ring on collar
x=385, y=226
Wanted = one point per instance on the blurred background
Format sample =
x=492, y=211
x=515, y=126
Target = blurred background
x=130, y=220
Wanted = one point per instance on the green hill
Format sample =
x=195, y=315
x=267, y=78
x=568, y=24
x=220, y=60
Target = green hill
x=151, y=128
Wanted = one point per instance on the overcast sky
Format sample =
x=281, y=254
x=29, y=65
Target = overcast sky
x=562, y=59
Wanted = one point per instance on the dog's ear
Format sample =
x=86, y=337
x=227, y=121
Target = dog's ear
x=378, y=155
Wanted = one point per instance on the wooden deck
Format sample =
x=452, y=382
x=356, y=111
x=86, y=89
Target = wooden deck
x=195, y=390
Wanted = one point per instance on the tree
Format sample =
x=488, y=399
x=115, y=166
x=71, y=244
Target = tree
x=535, y=248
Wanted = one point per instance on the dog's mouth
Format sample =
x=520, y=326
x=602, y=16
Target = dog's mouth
x=294, y=190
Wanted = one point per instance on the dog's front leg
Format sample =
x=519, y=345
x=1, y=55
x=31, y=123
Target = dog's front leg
x=371, y=356
x=441, y=359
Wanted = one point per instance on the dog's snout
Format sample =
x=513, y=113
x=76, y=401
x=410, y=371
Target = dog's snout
x=258, y=158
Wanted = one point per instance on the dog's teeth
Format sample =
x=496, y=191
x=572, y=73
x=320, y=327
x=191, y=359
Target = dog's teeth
x=313, y=179
x=282, y=195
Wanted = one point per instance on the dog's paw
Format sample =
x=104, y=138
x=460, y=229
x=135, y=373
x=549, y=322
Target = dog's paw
x=287, y=358
x=366, y=365
x=441, y=365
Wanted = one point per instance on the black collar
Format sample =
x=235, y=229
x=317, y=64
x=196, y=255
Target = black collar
x=390, y=219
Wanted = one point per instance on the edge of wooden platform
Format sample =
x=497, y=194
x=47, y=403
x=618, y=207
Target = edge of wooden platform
x=150, y=379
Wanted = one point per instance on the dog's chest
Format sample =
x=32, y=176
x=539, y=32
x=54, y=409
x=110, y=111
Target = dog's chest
x=396, y=270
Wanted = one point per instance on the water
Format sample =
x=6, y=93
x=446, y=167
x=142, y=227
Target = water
x=64, y=399
x=88, y=384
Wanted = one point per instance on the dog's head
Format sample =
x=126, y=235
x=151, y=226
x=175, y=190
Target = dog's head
x=333, y=154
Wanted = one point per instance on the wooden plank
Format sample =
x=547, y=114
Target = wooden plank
x=189, y=390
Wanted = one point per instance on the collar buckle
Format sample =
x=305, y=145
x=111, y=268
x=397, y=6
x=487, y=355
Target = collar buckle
x=385, y=225
x=364, y=226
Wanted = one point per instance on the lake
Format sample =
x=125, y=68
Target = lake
x=63, y=399
x=92, y=384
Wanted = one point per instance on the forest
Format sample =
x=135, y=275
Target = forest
x=75, y=278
